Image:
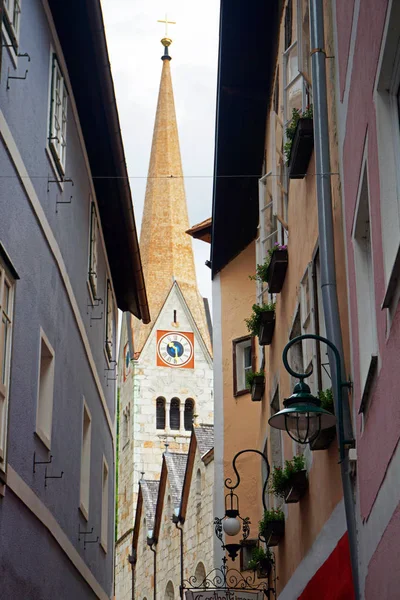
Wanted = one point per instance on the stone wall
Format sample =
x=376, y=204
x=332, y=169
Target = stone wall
x=197, y=539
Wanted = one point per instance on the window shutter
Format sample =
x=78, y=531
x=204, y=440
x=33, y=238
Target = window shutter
x=174, y=414
x=160, y=413
x=188, y=415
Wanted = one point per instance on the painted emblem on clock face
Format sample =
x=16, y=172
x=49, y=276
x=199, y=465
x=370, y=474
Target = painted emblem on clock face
x=175, y=349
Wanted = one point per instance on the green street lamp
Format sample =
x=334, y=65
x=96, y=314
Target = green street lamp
x=303, y=418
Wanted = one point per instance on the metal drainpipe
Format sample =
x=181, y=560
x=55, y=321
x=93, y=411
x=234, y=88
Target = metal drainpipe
x=181, y=520
x=132, y=560
x=151, y=544
x=327, y=257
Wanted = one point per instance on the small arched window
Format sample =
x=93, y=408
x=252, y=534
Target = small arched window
x=200, y=576
x=198, y=488
x=174, y=414
x=160, y=416
x=188, y=415
x=169, y=591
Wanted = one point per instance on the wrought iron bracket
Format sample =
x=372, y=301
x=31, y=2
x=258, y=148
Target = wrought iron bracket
x=46, y=477
x=14, y=77
x=40, y=462
x=59, y=181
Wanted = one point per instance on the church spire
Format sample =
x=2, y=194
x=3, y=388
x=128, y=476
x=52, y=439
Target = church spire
x=166, y=249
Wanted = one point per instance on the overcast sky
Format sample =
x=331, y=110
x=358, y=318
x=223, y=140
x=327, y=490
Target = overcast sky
x=133, y=37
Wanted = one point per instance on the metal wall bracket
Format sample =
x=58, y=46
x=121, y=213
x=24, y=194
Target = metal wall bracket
x=83, y=533
x=64, y=180
x=62, y=202
x=40, y=462
x=14, y=77
x=86, y=542
x=46, y=477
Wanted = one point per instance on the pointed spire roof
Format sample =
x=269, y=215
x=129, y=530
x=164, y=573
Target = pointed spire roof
x=166, y=249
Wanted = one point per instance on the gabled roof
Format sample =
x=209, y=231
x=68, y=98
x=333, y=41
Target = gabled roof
x=150, y=492
x=202, y=438
x=205, y=438
x=176, y=465
x=172, y=469
x=84, y=47
x=205, y=347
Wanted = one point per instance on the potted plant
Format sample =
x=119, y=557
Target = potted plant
x=290, y=482
x=273, y=270
x=255, y=382
x=261, y=561
x=262, y=322
x=272, y=526
x=326, y=436
x=300, y=142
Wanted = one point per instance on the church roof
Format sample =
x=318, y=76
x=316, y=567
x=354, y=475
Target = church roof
x=176, y=465
x=150, y=492
x=205, y=438
x=166, y=249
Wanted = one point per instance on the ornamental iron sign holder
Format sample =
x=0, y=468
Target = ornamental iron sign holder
x=224, y=583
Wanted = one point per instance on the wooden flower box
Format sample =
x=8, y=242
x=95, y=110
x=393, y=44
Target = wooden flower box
x=267, y=327
x=273, y=532
x=277, y=271
x=324, y=440
x=302, y=147
x=257, y=389
x=297, y=487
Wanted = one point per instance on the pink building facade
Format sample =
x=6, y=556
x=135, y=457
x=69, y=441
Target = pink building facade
x=367, y=37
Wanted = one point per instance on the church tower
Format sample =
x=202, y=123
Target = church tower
x=167, y=383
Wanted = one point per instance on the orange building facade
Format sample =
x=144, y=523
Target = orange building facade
x=263, y=200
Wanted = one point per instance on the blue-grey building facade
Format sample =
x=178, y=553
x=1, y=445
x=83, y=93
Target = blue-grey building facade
x=69, y=258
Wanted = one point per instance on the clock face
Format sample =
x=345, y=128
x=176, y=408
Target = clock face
x=175, y=349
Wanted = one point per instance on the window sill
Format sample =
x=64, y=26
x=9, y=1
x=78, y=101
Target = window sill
x=372, y=369
x=43, y=438
x=241, y=392
x=84, y=512
x=53, y=165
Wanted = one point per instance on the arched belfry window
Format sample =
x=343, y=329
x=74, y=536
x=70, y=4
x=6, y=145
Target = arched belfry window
x=188, y=415
x=174, y=414
x=160, y=415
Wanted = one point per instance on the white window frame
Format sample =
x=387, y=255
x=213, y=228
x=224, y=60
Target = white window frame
x=45, y=392
x=301, y=76
x=58, y=116
x=239, y=346
x=365, y=285
x=11, y=25
x=386, y=90
x=93, y=254
x=110, y=322
x=104, y=505
x=84, y=489
x=6, y=316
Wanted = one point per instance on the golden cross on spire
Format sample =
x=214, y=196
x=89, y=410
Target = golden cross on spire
x=166, y=24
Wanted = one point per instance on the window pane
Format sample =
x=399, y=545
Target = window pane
x=294, y=96
x=247, y=357
x=305, y=39
x=292, y=65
